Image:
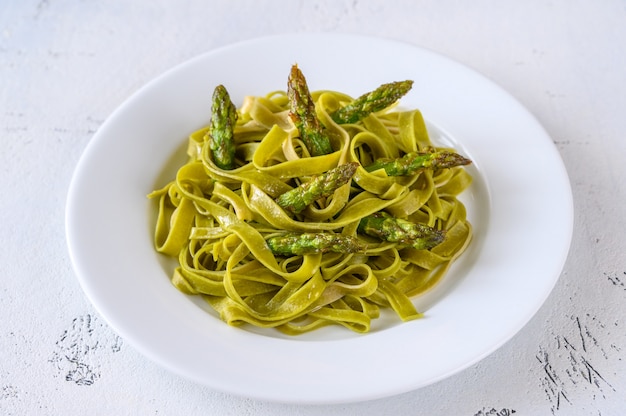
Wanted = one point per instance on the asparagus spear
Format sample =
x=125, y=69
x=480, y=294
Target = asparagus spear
x=220, y=135
x=377, y=100
x=320, y=186
x=294, y=244
x=413, y=162
x=385, y=227
x=303, y=115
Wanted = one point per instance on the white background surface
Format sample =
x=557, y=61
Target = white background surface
x=66, y=65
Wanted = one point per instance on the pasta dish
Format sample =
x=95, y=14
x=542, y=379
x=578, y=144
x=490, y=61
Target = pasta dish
x=302, y=209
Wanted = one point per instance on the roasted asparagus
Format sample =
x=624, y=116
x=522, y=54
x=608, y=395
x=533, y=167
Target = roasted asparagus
x=320, y=186
x=413, y=162
x=377, y=100
x=294, y=244
x=302, y=113
x=220, y=135
x=388, y=228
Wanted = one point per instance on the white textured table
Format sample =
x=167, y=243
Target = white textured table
x=66, y=65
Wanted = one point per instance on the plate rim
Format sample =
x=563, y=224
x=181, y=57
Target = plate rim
x=80, y=267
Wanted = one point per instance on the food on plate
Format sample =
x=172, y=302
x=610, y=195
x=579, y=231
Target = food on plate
x=319, y=186
x=371, y=102
x=302, y=209
x=387, y=228
x=302, y=113
x=294, y=244
x=220, y=135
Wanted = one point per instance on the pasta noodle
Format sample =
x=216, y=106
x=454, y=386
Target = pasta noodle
x=216, y=222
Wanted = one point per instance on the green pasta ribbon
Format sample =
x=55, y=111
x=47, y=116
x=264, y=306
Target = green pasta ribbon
x=216, y=222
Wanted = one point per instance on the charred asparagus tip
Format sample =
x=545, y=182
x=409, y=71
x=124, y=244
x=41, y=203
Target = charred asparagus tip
x=442, y=160
x=414, y=162
x=220, y=135
x=372, y=102
x=387, y=228
x=303, y=115
x=320, y=186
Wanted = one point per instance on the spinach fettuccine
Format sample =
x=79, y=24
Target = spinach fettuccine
x=303, y=209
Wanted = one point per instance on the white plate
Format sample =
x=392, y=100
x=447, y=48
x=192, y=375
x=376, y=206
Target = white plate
x=520, y=205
